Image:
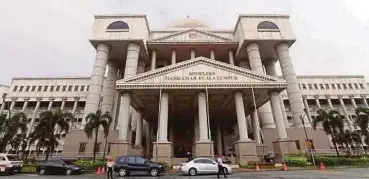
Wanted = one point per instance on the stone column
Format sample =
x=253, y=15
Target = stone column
x=50, y=104
x=12, y=105
x=174, y=56
x=349, y=122
x=196, y=128
x=274, y=98
x=75, y=105
x=33, y=117
x=2, y=108
x=265, y=111
x=241, y=118
x=124, y=111
x=138, y=140
x=193, y=55
x=329, y=102
x=317, y=101
x=153, y=59
x=25, y=104
x=307, y=109
x=365, y=102
x=219, y=138
x=163, y=118
x=353, y=101
x=97, y=79
x=203, y=118
x=284, y=114
x=212, y=54
x=133, y=52
x=231, y=57
x=293, y=90
x=63, y=104
x=141, y=67
x=255, y=129
x=109, y=88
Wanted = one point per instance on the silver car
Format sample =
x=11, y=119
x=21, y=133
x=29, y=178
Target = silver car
x=202, y=166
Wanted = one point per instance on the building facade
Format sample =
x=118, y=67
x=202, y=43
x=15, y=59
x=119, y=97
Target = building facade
x=191, y=88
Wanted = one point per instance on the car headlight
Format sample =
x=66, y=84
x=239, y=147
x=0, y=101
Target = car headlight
x=9, y=165
x=160, y=166
x=76, y=168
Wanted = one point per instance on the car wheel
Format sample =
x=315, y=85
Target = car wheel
x=68, y=172
x=122, y=172
x=154, y=172
x=226, y=171
x=42, y=172
x=192, y=172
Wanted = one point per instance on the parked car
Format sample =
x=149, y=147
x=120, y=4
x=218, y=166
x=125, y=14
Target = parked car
x=58, y=167
x=10, y=163
x=127, y=165
x=202, y=166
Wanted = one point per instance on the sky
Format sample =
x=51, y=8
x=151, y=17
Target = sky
x=41, y=38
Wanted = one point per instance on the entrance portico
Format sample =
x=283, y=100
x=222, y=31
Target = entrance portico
x=201, y=100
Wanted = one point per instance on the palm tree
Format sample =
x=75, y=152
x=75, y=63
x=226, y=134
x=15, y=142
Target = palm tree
x=45, y=133
x=332, y=124
x=362, y=120
x=12, y=126
x=94, y=122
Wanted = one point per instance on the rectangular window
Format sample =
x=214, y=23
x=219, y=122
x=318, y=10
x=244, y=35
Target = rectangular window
x=344, y=86
x=15, y=88
x=70, y=88
x=82, y=147
x=310, y=86
x=64, y=88
x=350, y=86
x=356, y=86
x=304, y=86
x=20, y=88
x=39, y=88
x=339, y=86
x=333, y=86
x=57, y=88
x=82, y=88
x=45, y=88
x=321, y=86
x=51, y=88
x=33, y=88
x=87, y=88
x=75, y=88
x=27, y=88
x=326, y=86
x=315, y=86
x=361, y=86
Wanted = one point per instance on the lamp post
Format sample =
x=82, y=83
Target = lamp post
x=306, y=136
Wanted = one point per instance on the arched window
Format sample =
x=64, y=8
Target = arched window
x=267, y=25
x=118, y=25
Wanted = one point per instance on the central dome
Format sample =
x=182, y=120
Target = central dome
x=187, y=23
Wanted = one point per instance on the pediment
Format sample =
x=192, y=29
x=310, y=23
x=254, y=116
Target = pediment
x=201, y=72
x=192, y=35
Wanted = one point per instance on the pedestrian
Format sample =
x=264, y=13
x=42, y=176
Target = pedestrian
x=189, y=156
x=110, y=164
x=220, y=166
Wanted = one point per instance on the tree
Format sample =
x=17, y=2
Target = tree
x=332, y=124
x=11, y=126
x=94, y=122
x=48, y=131
x=362, y=121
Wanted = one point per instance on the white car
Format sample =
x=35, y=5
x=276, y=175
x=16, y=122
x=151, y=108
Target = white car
x=10, y=163
x=202, y=166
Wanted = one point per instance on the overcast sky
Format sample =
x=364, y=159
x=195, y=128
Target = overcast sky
x=50, y=37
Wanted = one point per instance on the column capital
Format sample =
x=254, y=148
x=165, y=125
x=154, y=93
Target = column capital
x=26, y=99
x=363, y=95
x=64, y=98
x=51, y=99
x=304, y=96
x=14, y=99
x=316, y=96
x=328, y=96
x=340, y=96
x=77, y=98
x=352, y=96
x=39, y=99
x=103, y=47
x=285, y=45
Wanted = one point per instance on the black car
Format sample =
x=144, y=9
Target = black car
x=58, y=167
x=128, y=164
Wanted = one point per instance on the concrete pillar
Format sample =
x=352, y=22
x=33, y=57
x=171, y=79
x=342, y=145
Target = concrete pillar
x=255, y=117
x=231, y=57
x=139, y=127
x=193, y=55
x=353, y=101
x=349, y=122
x=293, y=90
x=124, y=112
x=25, y=104
x=274, y=98
x=97, y=79
x=163, y=118
x=212, y=54
x=307, y=109
x=284, y=114
x=109, y=88
x=265, y=111
x=365, y=102
x=241, y=118
x=153, y=59
x=141, y=67
x=219, y=138
x=2, y=108
x=203, y=118
x=196, y=128
x=317, y=102
x=33, y=117
x=50, y=104
x=12, y=105
x=63, y=104
x=133, y=52
x=174, y=56
x=329, y=102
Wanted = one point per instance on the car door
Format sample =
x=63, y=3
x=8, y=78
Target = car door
x=59, y=166
x=200, y=165
x=141, y=164
x=131, y=162
x=210, y=166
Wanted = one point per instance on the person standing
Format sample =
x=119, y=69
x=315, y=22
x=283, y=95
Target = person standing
x=110, y=164
x=220, y=166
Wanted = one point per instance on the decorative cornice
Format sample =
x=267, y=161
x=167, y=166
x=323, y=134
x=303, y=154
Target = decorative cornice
x=189, y=30
x=127, y=86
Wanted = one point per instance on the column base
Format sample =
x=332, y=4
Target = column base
x=120, y=148
x=261, y=151
x=204, y=148
x=282, y=147
x=164, y=153
x=246, y=152
x=137, y=150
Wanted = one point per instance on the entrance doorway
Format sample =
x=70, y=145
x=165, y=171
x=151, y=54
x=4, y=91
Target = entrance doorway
x=183, y=133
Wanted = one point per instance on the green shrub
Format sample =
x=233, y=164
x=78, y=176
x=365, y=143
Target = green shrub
x=166, y=166
x=342, y=160
x=28, y=169
x=296, y=161
x=89, y=165
x=248, y=166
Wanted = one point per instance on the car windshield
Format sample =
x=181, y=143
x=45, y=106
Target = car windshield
x=67, y=162
x=13, y=158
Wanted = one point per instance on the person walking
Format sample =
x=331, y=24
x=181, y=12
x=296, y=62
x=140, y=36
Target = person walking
x=220, y=166
x=109, y=165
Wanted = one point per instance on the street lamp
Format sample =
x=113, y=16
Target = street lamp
x=302, y=116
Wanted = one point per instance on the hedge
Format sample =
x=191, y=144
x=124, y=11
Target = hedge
x=302, y=161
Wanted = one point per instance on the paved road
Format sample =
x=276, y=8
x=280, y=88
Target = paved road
x=306, y=174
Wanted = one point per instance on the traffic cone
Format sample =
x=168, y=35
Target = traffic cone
x=98, y=171
x=322, y=167
x=285, y=168
x=257, y=167
x=102, y=171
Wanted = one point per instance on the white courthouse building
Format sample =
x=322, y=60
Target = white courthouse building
x=191, y=88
